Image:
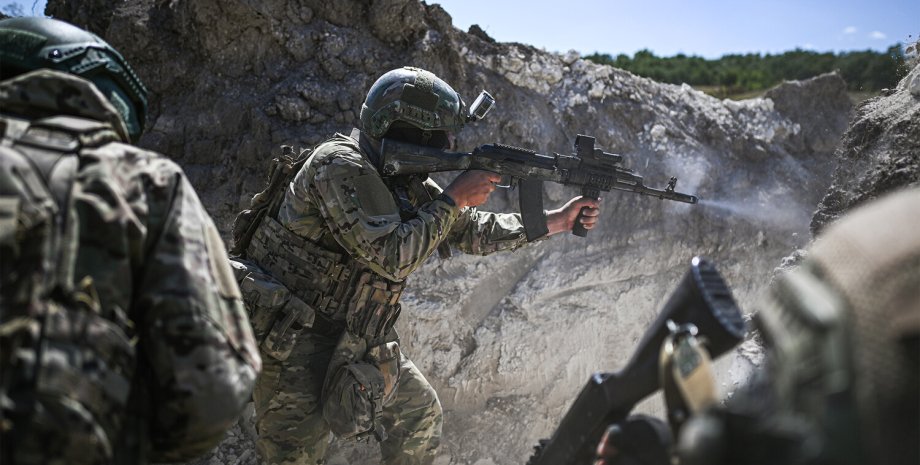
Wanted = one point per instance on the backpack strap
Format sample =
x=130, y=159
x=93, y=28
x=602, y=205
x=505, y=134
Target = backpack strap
x=52, y=146
x=51, y=319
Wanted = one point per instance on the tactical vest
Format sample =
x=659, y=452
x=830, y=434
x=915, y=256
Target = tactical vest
x=333, y=285
x=66, y=368
x=331, y=290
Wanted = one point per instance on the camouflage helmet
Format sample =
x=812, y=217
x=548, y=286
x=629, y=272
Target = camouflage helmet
x=31, y=43
x=413, y=96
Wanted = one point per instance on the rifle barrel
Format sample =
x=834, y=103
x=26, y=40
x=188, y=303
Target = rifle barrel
x=660, y=193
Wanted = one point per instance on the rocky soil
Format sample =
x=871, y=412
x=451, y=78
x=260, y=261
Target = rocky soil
x=880, y=151
x=508, y=340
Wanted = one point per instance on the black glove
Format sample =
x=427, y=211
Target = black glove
x=640, y=440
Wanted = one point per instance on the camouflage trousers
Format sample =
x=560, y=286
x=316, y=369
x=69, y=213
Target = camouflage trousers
x=289, y=418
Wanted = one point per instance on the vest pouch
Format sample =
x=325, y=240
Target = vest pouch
x=277, y=316
x=294, y=317
x=353, y=401
x=386, y=358
x=374, y=307
x=262, y=295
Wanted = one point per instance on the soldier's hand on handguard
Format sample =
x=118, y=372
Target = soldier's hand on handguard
x=563, y=219
x=640, y=440
x=472, y=188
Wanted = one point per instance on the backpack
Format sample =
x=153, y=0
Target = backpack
x=268, y=201
x=66, y=371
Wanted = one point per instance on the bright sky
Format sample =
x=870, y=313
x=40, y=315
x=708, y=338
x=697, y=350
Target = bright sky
x=710, y=28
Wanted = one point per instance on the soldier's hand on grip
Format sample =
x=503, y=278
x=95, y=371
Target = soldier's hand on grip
x=472, y=188
x=640, y=440
x=563, y=219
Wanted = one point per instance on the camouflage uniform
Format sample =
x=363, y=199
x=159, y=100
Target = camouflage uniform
x=166, y=360
x=339, y=204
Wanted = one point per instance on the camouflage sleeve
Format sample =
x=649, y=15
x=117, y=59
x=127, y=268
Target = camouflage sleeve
x=481, y=233
x=202, y=356
x=363, y=217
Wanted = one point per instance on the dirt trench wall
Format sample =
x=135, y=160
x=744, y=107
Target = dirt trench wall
x=507, y=340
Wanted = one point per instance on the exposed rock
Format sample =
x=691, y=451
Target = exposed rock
x=397, y=21
x=880, y=152
x=818, y=104
x=507, y=340
x=914, y=86
x=477, y=31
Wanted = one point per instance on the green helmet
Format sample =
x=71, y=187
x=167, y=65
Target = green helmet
x=415, y=97
x=31, y=43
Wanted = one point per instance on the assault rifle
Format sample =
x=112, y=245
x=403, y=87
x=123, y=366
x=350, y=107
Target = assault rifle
x=588, y=167
x=702, y=300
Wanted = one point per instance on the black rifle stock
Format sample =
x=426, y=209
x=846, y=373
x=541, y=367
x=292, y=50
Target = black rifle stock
x=701, y=298
x=589, y=168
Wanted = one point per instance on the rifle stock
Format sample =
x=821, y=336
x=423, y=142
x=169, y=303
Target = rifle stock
x=701, y=298
x=401, y=158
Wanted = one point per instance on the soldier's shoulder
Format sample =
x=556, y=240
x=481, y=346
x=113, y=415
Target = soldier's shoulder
x=46, y=92
x=135, y=158
x=338, y=151
x=129, y=164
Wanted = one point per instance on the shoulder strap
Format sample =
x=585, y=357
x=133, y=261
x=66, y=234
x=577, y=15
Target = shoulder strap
x=267, y=202
x=48, y=153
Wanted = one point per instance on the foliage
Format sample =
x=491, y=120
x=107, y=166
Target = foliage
x=11, y=10
x=734, y=74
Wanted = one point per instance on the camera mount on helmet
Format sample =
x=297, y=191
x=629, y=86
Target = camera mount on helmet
x=480, y=107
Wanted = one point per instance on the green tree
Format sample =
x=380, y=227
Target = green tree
x=862, y=70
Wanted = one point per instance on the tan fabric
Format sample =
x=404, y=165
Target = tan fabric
x=872, y=258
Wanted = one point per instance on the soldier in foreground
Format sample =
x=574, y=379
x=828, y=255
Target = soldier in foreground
x=341, y=244
x=841, y=385
x=123, y=338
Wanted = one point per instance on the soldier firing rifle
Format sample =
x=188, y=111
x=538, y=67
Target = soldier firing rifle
x=590, y=168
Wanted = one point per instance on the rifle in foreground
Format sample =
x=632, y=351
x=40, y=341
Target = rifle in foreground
x=702, y=299
x=589, y=168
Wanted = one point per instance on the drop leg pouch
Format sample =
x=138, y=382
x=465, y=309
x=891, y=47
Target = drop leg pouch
x=359, y=382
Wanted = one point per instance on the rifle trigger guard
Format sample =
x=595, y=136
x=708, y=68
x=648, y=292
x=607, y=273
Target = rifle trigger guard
x=507, y=182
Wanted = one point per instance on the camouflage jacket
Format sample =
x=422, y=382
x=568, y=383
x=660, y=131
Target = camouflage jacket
x=155, y=259
x=340, y=201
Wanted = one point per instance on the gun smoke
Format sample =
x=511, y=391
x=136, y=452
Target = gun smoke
x=780, y=214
